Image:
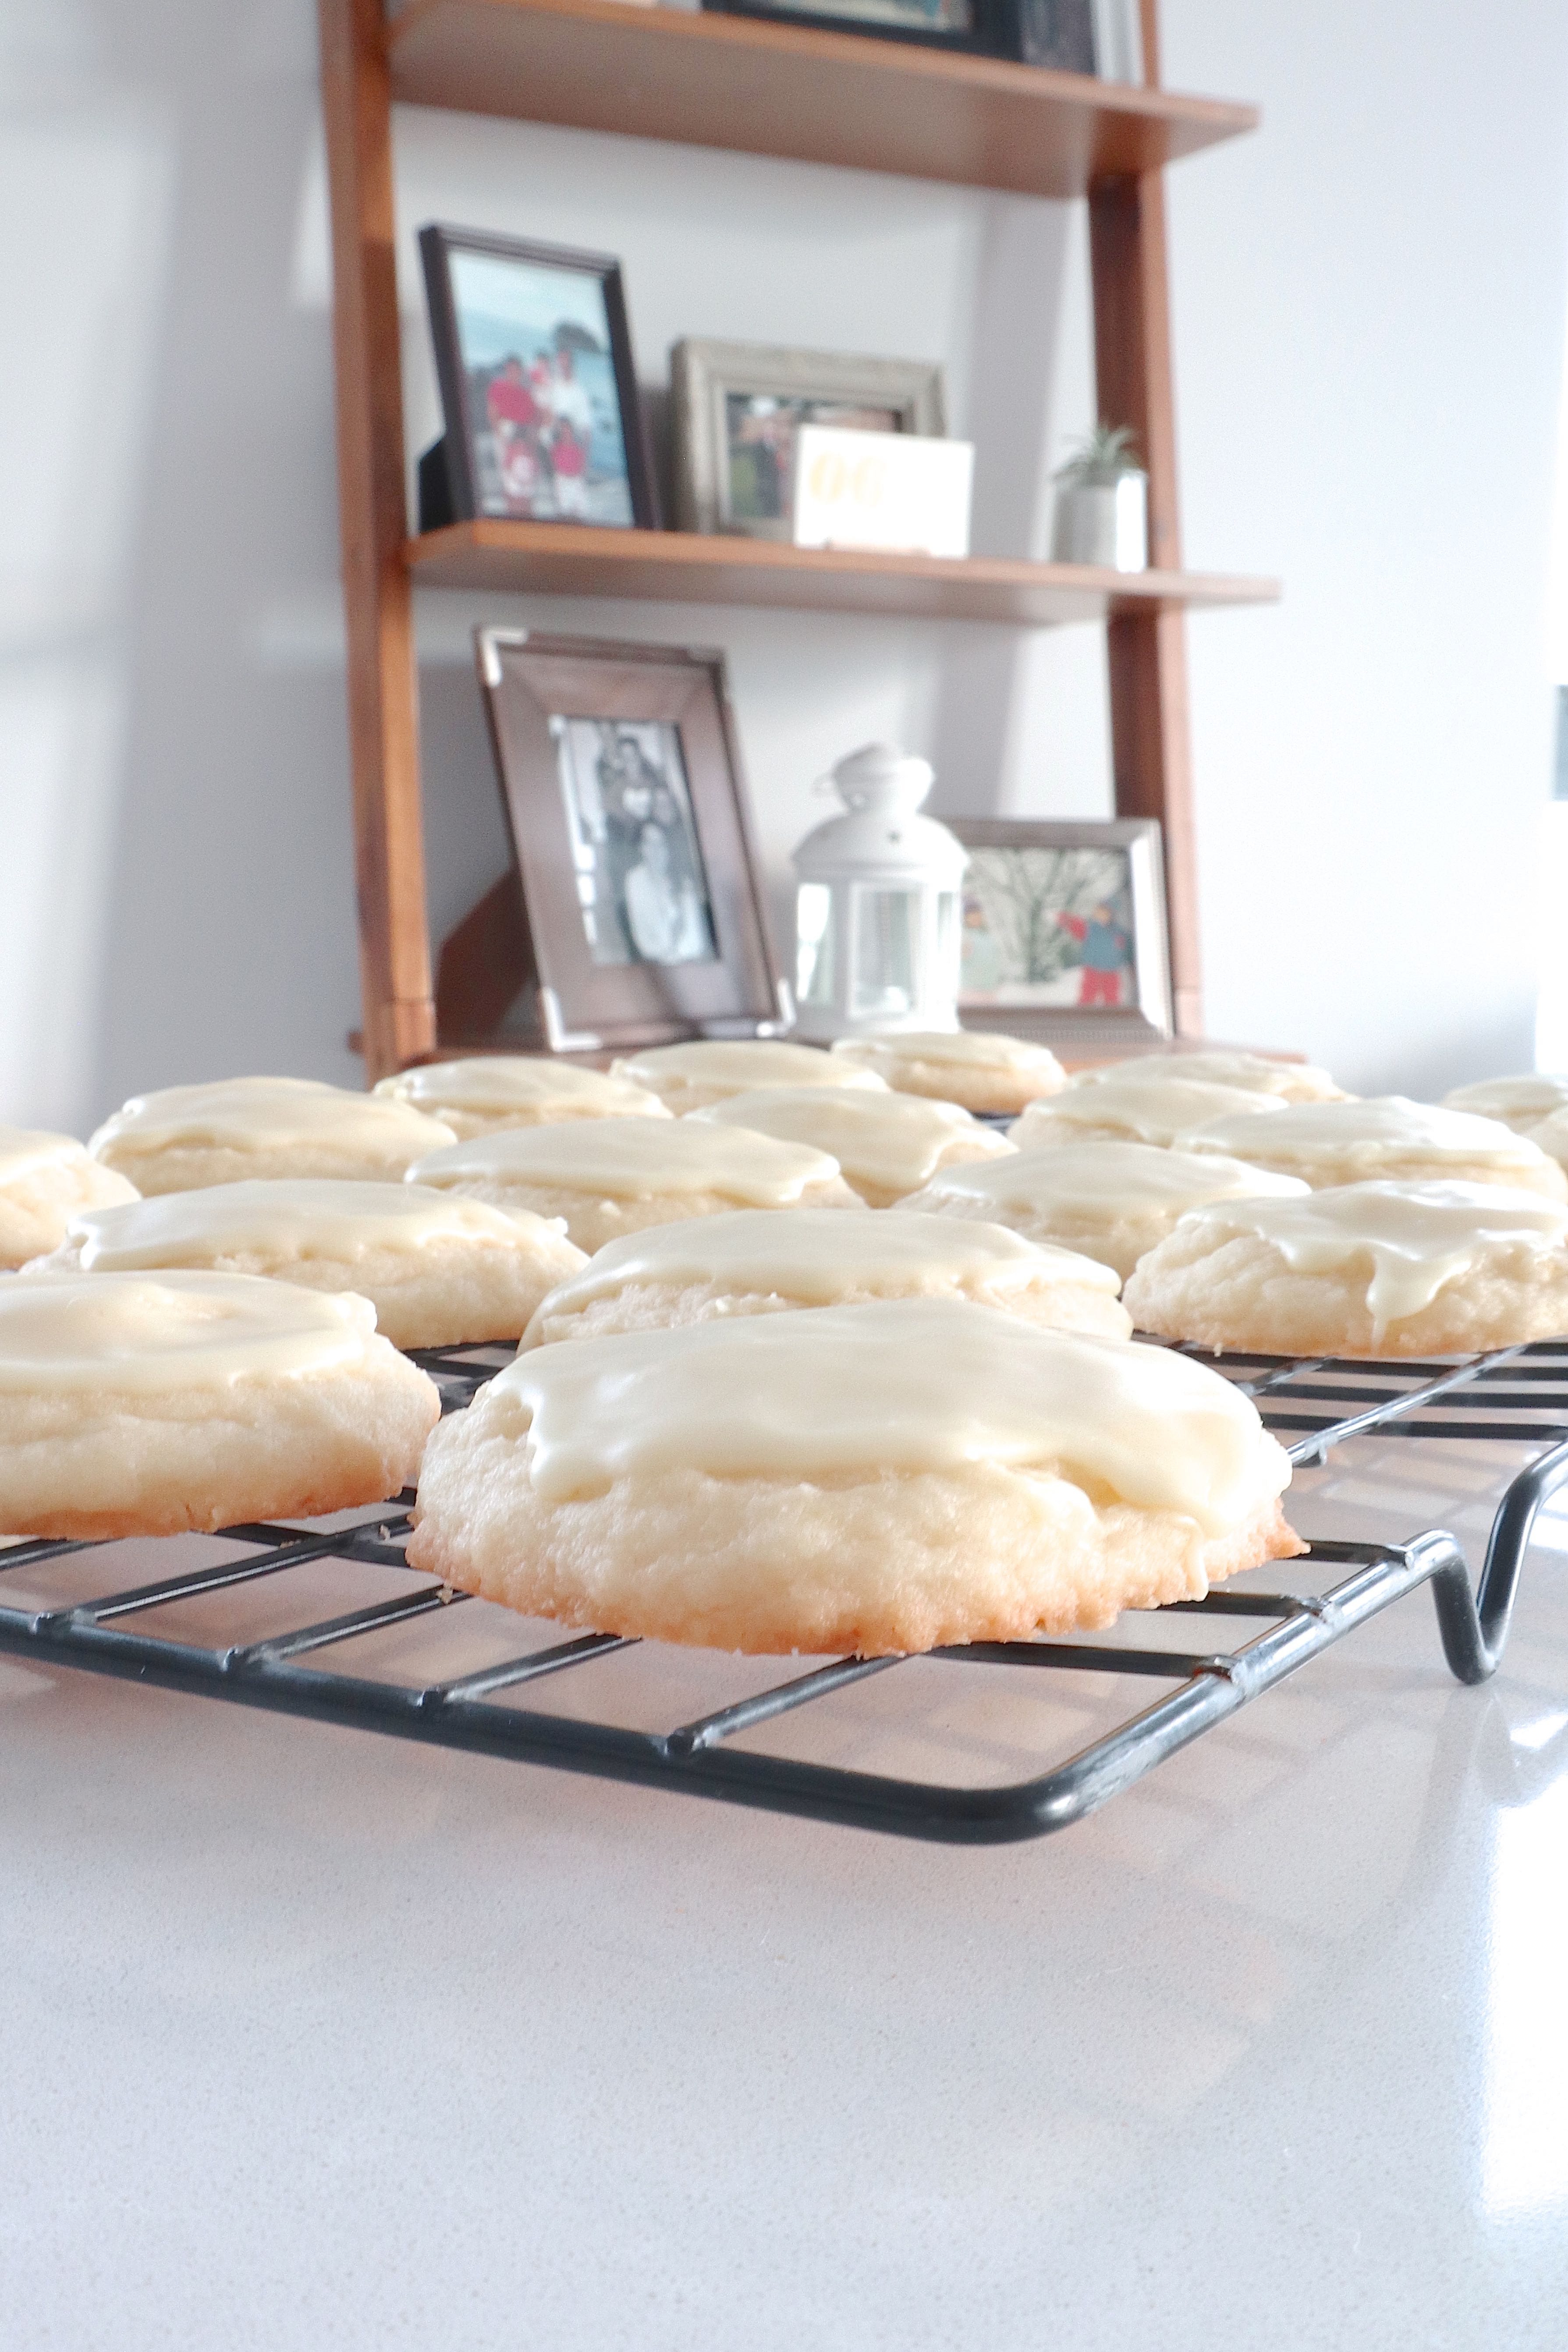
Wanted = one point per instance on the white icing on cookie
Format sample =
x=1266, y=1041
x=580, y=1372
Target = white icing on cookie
x=1253, y=1073
x=634, y=1160
x=894, y=1141
x=1416, y=1239
x=294, y=1217
x=1382, y=1128
x=1155, y=1108
x=26, y=1150
x=906, y=1385
x=968, y=1049
x=1112, y=1180
x=1519, y=1102
x=138, y=1334
x=818, y=1254
x=522, y=1082
x=730, y=1065
x=265, y=1115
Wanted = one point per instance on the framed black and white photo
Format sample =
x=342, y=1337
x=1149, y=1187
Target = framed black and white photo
x=535, y=358
x=1063, y=931
x=620, y=777
x=737, y=408
x=1055, y=33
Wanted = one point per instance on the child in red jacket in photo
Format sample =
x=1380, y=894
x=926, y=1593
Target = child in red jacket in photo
x=1106, y=945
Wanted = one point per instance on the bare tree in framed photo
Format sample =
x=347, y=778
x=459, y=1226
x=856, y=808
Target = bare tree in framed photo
x=1063, y=931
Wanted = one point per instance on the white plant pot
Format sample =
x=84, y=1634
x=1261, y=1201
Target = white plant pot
x=1105, y=523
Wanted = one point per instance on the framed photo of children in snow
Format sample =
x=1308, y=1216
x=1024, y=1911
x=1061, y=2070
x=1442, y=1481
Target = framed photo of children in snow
x=1064, y=931
x=620, y=777
x=737, y=408
x=535, y=358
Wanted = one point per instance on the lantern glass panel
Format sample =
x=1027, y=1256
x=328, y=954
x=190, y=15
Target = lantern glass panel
x=947, y=942
x=814, y=954
x=887, y=953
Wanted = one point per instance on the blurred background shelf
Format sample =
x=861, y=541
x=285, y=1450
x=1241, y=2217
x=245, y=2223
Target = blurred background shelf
x=682, y=567
x=789, y=90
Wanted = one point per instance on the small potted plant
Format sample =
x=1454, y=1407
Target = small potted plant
x=1102, y=503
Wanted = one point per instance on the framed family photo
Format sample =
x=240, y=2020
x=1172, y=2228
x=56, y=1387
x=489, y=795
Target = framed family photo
x=738, y=408
x=539, y=398
x=1063, y=931
x=642, y=908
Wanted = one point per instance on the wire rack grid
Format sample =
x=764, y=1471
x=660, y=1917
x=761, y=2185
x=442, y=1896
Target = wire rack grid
x=319, y=1668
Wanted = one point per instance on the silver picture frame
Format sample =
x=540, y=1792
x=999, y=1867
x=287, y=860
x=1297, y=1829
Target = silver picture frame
x=1065, y=932
x=707, y=378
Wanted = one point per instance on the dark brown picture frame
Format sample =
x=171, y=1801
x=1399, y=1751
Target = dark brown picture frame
x=437, y=244
x=562, y=998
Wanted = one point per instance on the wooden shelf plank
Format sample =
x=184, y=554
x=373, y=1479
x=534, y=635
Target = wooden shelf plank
x=793, y=92
x=682, y=568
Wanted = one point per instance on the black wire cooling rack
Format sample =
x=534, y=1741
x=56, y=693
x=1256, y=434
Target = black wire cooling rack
x=335, y=1667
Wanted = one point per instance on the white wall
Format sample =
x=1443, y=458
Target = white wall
x=1369, y=303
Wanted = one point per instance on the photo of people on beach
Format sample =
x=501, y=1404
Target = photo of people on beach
x=545, y=419
x=641, y=889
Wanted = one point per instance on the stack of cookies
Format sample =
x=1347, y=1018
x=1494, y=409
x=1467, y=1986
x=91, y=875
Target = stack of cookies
x=812, y=1354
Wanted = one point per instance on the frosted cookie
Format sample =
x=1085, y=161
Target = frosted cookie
x=1376, y=1269
x=611, y=1176
x=1386, y=1137
x=976, y=1067
x=1152, y=1108
x=691, y=1076
x=885, y=1144
x=765, y=1261
x=861, y=1479
x=184, y=1137
x=146, y=1404
x=1521, y=1103
x=1253, y=1073
x=1552, y=1137
x=43, y=1180
x=438, y=1269
x=1112, y=1201
x=486, y=1091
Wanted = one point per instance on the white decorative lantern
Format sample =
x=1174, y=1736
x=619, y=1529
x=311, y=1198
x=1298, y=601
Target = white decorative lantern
x=878, y=909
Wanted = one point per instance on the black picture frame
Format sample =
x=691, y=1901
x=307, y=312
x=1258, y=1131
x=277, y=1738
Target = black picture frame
x=452, y=472
x=573, y=998
x=1055, y=34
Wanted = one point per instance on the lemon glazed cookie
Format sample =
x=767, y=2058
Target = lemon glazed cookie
x=1521, y=1103
x=184, y=1137
x=1112, y=1201
x=1378, y=1269
x=977, y=1067
x=1387, y=1137
x=1253, y=1073
x=486, y=1091
x=887, y=1145
x=862, y=1479
x=764, y=1261
x=611, y=1176
x=1155, y=1107
x=438, y=1269
x=691, y=1076
x=148, y=1405
x=43, y=1180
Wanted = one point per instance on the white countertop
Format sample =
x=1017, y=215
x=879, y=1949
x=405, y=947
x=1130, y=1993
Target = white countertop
x=311, y=2038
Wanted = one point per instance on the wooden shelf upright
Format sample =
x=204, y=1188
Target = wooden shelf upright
x=730, y=83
